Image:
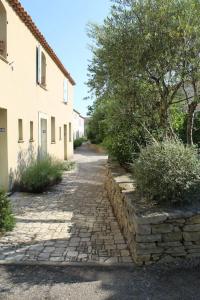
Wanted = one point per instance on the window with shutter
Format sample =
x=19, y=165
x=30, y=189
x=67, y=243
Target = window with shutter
x=3, y=31
x=20, y=130
x=31, y=131
x=70, y=132
x=38, y=62
x=65, y=91
x=41, y=67
x=43, y=70
x=53, y=130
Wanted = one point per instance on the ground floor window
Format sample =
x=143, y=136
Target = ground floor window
x=70, y=132
x=31, y=131
x=53, y=130
x=60, y=133
x=20, y=130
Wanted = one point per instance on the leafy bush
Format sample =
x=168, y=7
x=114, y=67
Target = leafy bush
x=41, y=174
x=78, y=142
x=7, y=220
x=124, y=139
x=168, y=172
x=96, y=127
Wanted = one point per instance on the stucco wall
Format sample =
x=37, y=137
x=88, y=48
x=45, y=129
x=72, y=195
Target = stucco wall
x=79, y=125
x=25, y=99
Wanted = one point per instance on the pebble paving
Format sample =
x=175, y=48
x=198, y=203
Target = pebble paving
x=73, y=222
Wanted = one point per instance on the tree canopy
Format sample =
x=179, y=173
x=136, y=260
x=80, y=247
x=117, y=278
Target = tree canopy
x=146, y=60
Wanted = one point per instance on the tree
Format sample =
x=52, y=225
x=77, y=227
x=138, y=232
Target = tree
x=96, y=126
x=144, y=54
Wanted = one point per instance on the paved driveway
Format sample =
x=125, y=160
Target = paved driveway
x=73, y=222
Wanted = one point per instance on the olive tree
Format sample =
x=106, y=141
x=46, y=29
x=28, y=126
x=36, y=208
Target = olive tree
x=144, y=55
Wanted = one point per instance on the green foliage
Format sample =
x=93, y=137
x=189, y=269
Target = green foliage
x=95, y=131
x=179, y=121
x=7, y=220
x=123, y=138
x=78, y=142
x=96, y=128
x=196, y=134
x=139, y=68
x=178, y=117
x=41, y=174
x=168, y=172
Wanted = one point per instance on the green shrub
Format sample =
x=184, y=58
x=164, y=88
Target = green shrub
x=41, y=174
x=78, y=142
x=123, y=142
x=7, y=220
x=168, y=172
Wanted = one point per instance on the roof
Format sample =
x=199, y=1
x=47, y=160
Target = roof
x=27, y=20
x=78, y=113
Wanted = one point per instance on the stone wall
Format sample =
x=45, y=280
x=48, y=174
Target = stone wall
x=153, y=234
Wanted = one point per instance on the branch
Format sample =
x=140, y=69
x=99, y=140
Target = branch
x=182, y=100
x=177, y=87
x=186, y=95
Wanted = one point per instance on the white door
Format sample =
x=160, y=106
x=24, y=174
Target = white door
x=43, y=137
x=3, y=150
x=65, y=142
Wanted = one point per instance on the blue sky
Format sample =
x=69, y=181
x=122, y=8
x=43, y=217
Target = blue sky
x=64, y=23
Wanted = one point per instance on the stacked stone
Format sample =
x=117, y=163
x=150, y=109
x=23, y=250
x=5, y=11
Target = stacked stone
x=154, y=237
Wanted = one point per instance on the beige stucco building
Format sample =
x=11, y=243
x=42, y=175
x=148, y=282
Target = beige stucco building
x=78, y=125
x=36, y=95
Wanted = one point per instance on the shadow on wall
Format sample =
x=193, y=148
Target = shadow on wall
x=24, y=158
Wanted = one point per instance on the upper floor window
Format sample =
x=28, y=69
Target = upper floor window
x=43, y=70
x=3, y=31
x=41, y=67
x=65, y=90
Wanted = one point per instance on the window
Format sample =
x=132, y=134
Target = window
x=53, y=130
x=43, y=70
x=70, y=132
x=3, y=31
x=41, y=67
x=65, y=91
x=60, y=133
x=20, y=130
x=31, y=131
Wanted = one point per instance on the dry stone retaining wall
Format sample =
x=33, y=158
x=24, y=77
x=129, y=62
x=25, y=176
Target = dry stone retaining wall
x=153, y=236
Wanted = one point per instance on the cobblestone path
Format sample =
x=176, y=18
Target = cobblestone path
x=73, y=222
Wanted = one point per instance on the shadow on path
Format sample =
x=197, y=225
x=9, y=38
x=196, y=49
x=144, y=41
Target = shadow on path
x=155, y=282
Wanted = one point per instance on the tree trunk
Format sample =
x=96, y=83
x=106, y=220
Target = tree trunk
x=164, y=119
x=190, y=122
x=165, y=124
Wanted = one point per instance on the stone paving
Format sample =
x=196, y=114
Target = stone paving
x=73, y=222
